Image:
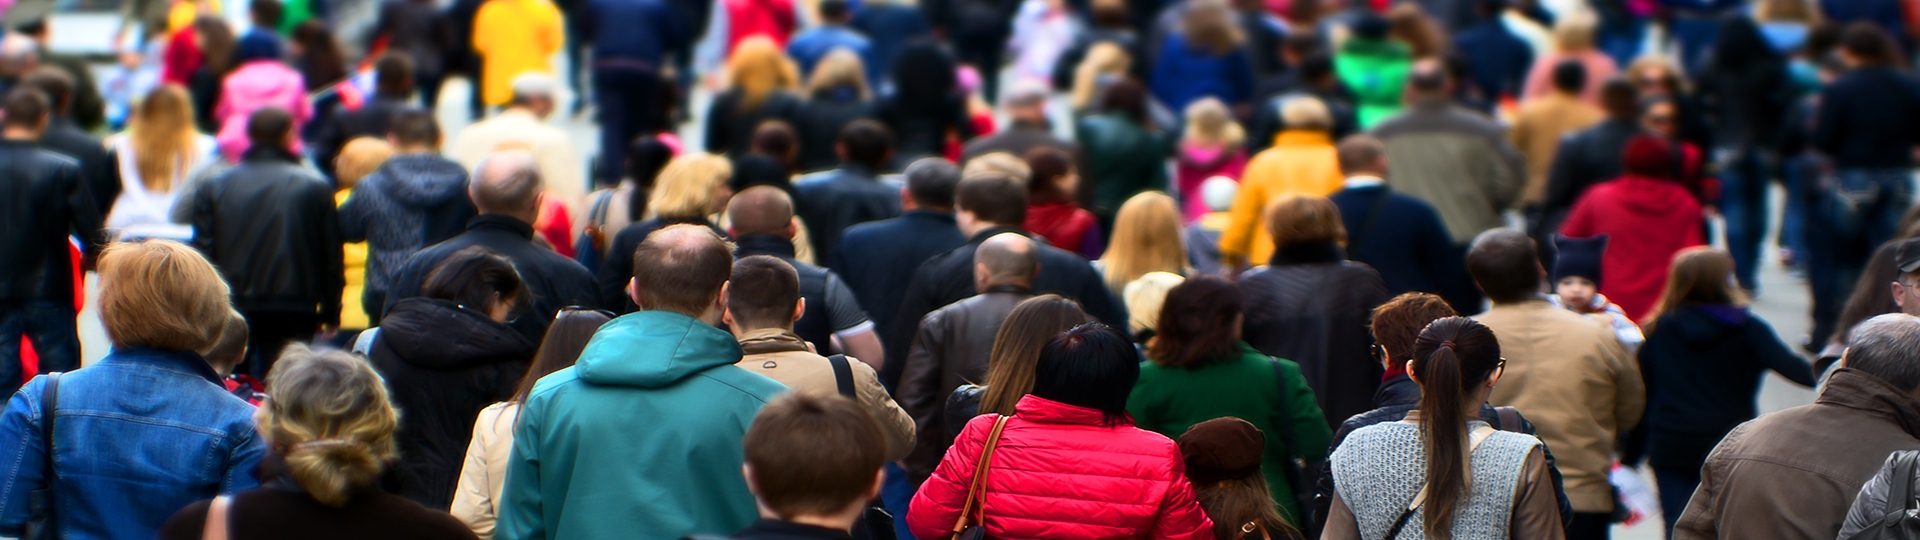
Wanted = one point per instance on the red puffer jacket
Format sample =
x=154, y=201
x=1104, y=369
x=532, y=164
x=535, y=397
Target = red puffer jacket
x=1059, y=474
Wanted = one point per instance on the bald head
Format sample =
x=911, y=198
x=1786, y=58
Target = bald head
x=18, y=55
x=1429, y=78
x=682, y=269
x=1005, y=259
x=507, y=183
x=761, y=210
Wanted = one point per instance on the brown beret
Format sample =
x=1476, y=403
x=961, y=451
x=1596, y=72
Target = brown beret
x=1222, y=449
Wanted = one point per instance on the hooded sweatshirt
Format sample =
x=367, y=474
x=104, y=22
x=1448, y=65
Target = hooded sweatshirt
x=254, y=86
x=1649, y=220
x=641, y=437
x=443, y=364
x=1703, y=365
x=410, y=202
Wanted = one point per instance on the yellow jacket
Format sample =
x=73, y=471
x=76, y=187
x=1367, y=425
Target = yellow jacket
x=1300, y=163
x=353, y=316
x=514, y=37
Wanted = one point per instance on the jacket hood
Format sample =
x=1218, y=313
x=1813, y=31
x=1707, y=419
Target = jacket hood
x=1705, y=324
x=263, y=82
x=1651, y=198
x=423, y=180
x=437, y=334
x=653, y=349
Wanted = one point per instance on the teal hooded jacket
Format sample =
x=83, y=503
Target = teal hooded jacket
x=639, y=439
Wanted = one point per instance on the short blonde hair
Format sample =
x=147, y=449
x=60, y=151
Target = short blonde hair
x=359, y=158
x=1574, y=33
x=1306, y=113
x=1296, y=219
x=161, y=294
x=685, y=188
x=1002, y=163
x=328, y=413
x=839, y=69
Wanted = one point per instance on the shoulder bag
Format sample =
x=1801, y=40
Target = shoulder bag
x=875, y=523
x=966, y=528
x=40, y=520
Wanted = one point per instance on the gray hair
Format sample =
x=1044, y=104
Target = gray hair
x=507, y=182
x=1887, y=347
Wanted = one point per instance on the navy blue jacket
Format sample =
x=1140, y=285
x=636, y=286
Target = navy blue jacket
x=1402, y=237
x=880, y=257
x=552, y=281
x=632, y=34
x=831, y=201
x=889, y=27
x=1497, y=60
x=1869, y=119
x=1703, y=365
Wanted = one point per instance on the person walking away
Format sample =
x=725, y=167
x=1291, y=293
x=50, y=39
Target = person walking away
x=1213, y=145
x=1576, y=287
x=1375, y=70
x=484, y=471
x=64, y=136
x=837, y=95
x=630, y=40
x=1569, y=372
x=1223, y=457
x=832, y=201
x=572, y=422
x=926, y=107
x=1400, y=236
x=1125, y=152
x=258, y=80
x=832, y=33
x=414, y=200
x=271, y=227
x=1146, y=239
x=762, y=224
x=1864, y=412
x=763, y=304
x=1704, y=358
x=1028, y=128
x=393, y=83
x=1497, y=57
x=1870, y=507
x=156, y=155
x=523, y=126
x=47, y=203
x=359, y=159
x=1746, y=92
x=691, y=188
x=1435, y=146
x=1573, y=41
x=1052, y=212
x=1072, y=428
x=1647, y=216
x=925, y=228
x=814, y=463
x=1543, y=121
x=512, y=38
x=1302, y=161
x=1474, y=481
x=1197, y=346
x=1585, y=158
x=425, y=34
x=332, y=429
x=1206, y=58
x=761, y=86
x=152, y=399
x=506, y=191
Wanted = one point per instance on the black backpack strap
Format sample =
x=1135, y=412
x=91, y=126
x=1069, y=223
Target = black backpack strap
x=843, y=375
x=1509, y=418
x=1399, y=524
x=49, y=399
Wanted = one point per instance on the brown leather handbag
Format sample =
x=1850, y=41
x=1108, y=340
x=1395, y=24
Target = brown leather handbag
x=963, y=528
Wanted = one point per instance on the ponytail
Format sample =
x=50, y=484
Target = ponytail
x=330, y=469
x=1452, y=357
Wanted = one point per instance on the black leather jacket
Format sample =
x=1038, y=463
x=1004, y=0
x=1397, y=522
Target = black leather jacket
x=270, y=226
x=42, y=200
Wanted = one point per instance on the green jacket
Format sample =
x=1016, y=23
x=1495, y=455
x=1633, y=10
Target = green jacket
x=1168, y=400
x=640, y=439
x=1123, y=158
x=1376, y=73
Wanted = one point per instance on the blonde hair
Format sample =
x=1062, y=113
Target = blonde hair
x=840, y=69
x=1000, y=163
x=1698, y=275
x=1800, y=11
x=1294, y=219
x=163, y=138
x=1144, y=298
x=359, y=158
x=1210, y=124
x=1146, y=238
x=1103, y=58
x=327, y=412
x=758, y=69
x=161, y=294
x=1209, y=23
x=1574, y=33
x=685, y=187
x=1306, y=113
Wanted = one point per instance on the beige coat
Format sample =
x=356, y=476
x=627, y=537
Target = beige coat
x=560, y=165
x=1578, y=385
x=1537, y=130
x=782, y=356
x=485, y=471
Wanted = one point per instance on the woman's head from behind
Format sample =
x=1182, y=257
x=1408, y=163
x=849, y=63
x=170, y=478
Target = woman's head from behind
x=478, y=279
x=692, y=186
x=1199, y=323
x=1209, y=123
x=1699, y=275
x=1104, y=60
x=1209, y=25
x=1456, y=360
x=566, y=338
x=757, y=69
x=1146, y=238
x=327, y=412
x=161, y=294
x=839, y=74
x=162, y=134
x=216, y=42
x=1397, y=324
x=1304, y=219
x=1091, y=366
x=1016, y=348
x=1051, y=176
x=1223, y=461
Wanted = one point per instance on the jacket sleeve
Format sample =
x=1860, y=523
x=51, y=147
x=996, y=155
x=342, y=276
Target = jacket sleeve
x=85, y=216
x=1309, y=425
x=938, y=504
x=898, y=425
x=1630, y=391
x=473, y=495
x=920, y=377
x=914, y=305
x=1237, y=241
x=333, y=276
x=1180, y=516
x=520, y=510
x=1509, y=175
x=243, y=462
x=1536, y=510
x=1564, y=174
x=21, y=451
x=201, y=217
x=718, y=134
x=1774, y=355
x=1323, y=495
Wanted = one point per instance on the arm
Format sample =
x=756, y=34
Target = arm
x=1775, y=355
x=1180, y=515
x=920, y=378
x=85, y=217
x=865, y=343
x=332, y=256
x=201, y=216
x=520, y=510
x=1323, y=490
x=937, y=505
x=850, y=323
x=244, y=461
x=24, y=455
x=473, y=496
x=1341, y=523
x=1237, y=240
x=898, y=425
x=1536, y=512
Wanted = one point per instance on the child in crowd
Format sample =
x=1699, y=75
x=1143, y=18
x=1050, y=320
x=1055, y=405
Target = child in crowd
x=1203, y=236
x=228, y=351
x=1576, y=279
x=813, y=462
x=1213, y=146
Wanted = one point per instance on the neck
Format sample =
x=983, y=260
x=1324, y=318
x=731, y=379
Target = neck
x=524, y=217
x=417, y=149
x=838, y=523
x=741, y=331
x=20, y=134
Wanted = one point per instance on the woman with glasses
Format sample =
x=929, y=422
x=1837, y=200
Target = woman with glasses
x=1442, y=473
x=447, y=354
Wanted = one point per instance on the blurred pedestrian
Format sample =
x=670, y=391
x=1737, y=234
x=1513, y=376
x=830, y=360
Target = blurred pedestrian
x=1585, y=158
x=1375, y=70
x=1029, y=128
x=1146, y=239
x=1400, y=236
x=761, y=86
x=832, y=34
x=1302, y=161
x=1213, y=145
x=1542, y=122
x=1649, y=218
x=512, y=38
x=855, y=193
x=259, y=80
x=37, y=289
x=925, y=228
x=1126, y=152
x=64, y=136
x=413, y=200
x=631, y=41
x=1052, y=212
x=393, y=81
x=1746, y=92
x=1436, y=145
x=523, y=126
x=422, y=31
x=926, y=107
x=1573, y=40
x=156, y=155
x=837, y=95
x=1206, y=58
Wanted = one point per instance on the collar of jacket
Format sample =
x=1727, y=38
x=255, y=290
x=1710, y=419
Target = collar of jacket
x=269, y=153
x=1432, y=104
x=1397, y=390
x=1303, y=137
x=1307, y=253
x=181, y=360
x=764, y=244
x=860, y=171
x=1023, y=125
x=1034, y=408
x=1854, y=389
x=772, y=340
x=931, y=215
x=989, y=232
x=502, y=222
x=1008, y=288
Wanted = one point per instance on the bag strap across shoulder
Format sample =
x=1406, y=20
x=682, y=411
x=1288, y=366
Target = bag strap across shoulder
x=1900, y=492
x=49, y=402
x=843, y=376
x=976, y=488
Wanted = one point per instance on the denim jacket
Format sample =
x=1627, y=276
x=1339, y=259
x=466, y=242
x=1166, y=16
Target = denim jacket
x=137, y=436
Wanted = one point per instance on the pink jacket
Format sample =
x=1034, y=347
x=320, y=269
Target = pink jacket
x=252, y=87
x=1059, y=474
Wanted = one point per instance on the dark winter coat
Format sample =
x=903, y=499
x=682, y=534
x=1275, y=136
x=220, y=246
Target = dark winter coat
x=411, y=202
x=819, y=123
x=1703, y=365
x=1402, y=238
x=830, y=202
x=271, y=227
x=282, y=511
x=730, y=126
x=1869, y=118
x=552, y=281
x=45, y=201
x=880, y=259
x=1312, y=306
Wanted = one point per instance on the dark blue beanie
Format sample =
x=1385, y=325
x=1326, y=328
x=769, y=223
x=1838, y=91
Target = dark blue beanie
x=1579, y=257
x=257, y=45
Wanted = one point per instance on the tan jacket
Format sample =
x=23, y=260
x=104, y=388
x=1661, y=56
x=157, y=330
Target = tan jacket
x=1572, y=378
x=1537, y=130
x=1794, y=473
x=781, y=355
x=486, y=469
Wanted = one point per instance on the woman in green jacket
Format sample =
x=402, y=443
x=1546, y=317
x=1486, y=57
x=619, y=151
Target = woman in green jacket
x=1374, y=67
x=1199, y=370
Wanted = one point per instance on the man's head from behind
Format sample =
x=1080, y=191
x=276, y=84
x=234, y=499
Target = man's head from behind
x=230, y=348
x=1569, y=77
x=682, y=269
x=814, y=459
x=414, y=131
x=507, y=183
x=1027, y=104
x=393, y=75
x=1888, y=348
x=1506, y=265
x=1429, y=80
x=930, y=184
x=56, y=84
x=1620, y=99
x=27, y=111
x=761, y=210
x=534, y=92
x=270, y=127
x=865, y=142
x=989, y=200
x=763, y=293
x=1005, y=259
x=1362, y=155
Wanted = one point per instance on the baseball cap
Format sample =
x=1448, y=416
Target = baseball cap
x=1906, y=256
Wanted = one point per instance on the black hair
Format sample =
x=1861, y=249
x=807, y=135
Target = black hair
x=472, y=278
x=1092, y=366
x=269, y=126
x=393, y=74
x=414, y=127
x=26, y=107
x=932, y=182
x=866, y=142
x=645, y=158
x=1570, y=76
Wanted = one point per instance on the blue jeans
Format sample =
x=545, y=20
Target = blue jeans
x=897, y=495
x=50, y=324
x=1793, y=224
x=632, y=104
x=1676, y=487
x=1743, y=202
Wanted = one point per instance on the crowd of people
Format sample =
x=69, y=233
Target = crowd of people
x=1287, y=269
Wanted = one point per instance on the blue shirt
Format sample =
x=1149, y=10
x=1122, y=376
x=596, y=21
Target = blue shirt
x=137, y=436
x=812, y=45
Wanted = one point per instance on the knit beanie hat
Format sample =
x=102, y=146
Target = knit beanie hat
x=1648, y=156
x=1578, y=257
x=1222, y=449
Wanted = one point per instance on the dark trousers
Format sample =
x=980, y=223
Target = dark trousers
x=50, y=324
x=1744, y=174
x=986, y=60
x=1853, y=212
x=632, y=104
x=897, y=493
x=270, y=331
x=575, y=53
x=1676, y=488
x=476, y=100
x=428, y=83
x=1590, y=526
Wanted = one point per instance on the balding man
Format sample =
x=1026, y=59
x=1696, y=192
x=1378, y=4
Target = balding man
x=954, y=342
x=1456, y=159
x=644, y=432
x=523, y=126
x=506, y=190
x=762, y=224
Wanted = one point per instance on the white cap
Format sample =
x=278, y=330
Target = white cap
x=536, y=84
x=1218, y=193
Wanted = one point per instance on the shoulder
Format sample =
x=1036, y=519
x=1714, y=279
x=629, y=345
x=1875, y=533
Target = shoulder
x=753, y=389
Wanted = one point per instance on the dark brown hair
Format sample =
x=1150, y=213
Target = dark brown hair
x=320, y=54
x=1397, y=323
x=216, y=44
x=1048, y=165
x=1506, y=265
x=26, y=107
x=1197, y=323
x=55, y=83
x=1234, y=504
x=1016, y=348
x=681, y=269
x=1360, y=153
x=993, y=198
x=1452, y=357
x=813, y=455
x=474, y=278
x=762, y=293
x=566, y=338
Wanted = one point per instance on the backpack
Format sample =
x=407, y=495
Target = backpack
x=1899, y=521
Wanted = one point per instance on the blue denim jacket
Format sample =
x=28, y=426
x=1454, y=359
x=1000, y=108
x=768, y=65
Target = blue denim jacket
x=138, y=436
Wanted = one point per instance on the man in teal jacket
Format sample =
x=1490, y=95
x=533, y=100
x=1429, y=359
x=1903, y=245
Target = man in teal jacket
x=642, y=437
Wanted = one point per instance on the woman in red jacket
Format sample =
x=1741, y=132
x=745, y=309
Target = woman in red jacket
x=1650, y=217
x=1069, y=463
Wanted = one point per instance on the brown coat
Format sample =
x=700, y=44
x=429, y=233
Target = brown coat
x=1537, y=130
x=1571, y=377
x=951, y=349
x=1794, y=473
x=781, y=355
